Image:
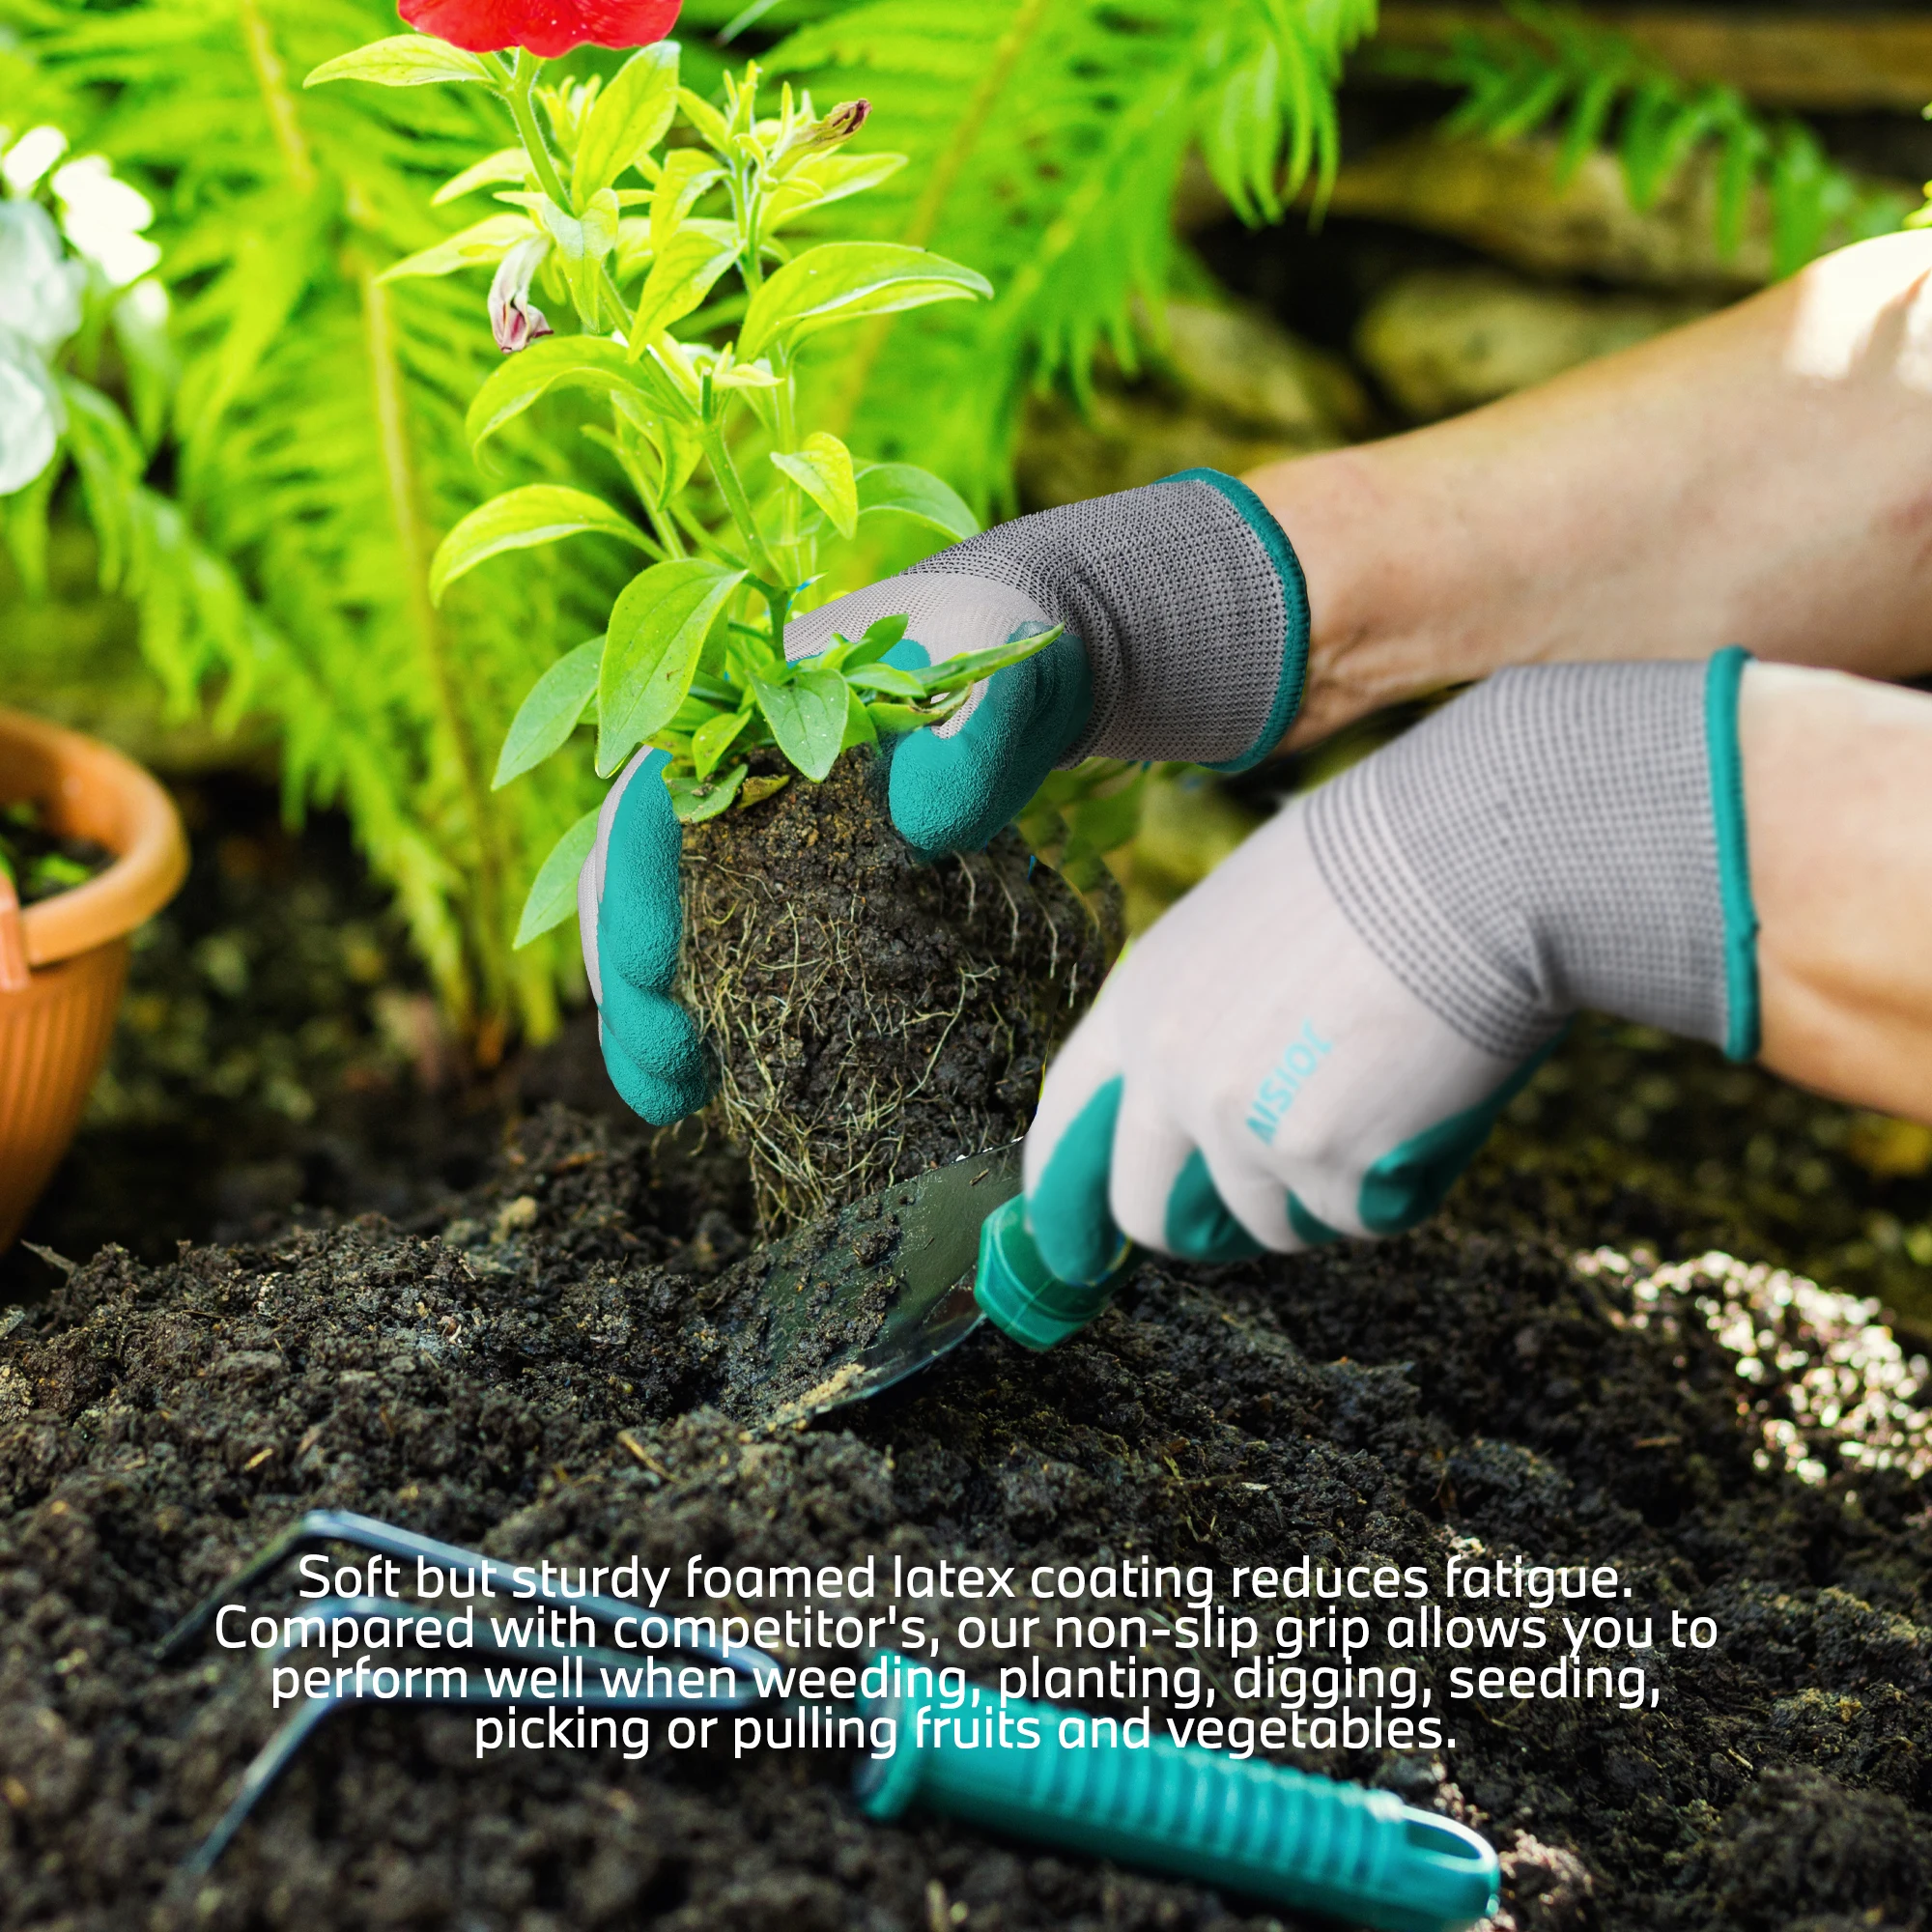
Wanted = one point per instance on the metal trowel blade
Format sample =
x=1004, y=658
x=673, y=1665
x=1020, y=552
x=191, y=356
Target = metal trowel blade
x=886, y=1292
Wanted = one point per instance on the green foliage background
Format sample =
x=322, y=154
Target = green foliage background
x=274, y=517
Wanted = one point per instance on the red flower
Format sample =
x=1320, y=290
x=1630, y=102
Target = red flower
x=547, y=27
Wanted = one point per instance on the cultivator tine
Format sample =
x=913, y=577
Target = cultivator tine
x=279, y=1752
x=267, y=1765
x=383, y=1539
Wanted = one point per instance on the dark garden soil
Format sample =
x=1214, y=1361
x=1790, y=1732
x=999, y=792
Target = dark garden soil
x=544, y=1378
x=525, y=1355
x=872, y=1013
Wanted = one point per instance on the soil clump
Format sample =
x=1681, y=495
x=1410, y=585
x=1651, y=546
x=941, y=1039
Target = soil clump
x=546, y=1379
x=872, y=1014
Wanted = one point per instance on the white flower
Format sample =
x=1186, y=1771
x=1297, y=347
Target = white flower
x=31, y=157
x=513, y=319
x=32, y=415
x=103, y=218
x=39, y=288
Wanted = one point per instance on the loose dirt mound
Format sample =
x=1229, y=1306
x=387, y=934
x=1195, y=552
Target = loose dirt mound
x=159, y=1424
x=872, y=1014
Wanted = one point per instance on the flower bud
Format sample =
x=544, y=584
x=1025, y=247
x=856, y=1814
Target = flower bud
x=841, y=124
x=514, y=320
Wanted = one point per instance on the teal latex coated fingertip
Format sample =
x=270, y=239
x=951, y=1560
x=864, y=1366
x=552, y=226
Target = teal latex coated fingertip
x=1353, y=1854
x=952, y=794
x=1021, y=1295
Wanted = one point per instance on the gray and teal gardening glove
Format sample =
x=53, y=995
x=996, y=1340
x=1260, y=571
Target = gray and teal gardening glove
x=1316, y=1039
x=1186, y=637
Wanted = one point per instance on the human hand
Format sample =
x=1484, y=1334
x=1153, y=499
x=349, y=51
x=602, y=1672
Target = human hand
x=1191, y=635
x=1316, y=1041
x=631, y=918
x=1186, y=637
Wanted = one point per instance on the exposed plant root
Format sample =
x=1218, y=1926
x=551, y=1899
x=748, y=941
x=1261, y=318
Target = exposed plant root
x=871, y=1015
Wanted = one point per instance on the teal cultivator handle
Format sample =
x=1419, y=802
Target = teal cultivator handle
x=1357, y=1854
x=1021, y=1298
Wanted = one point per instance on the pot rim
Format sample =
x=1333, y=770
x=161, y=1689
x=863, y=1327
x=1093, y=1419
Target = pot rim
x=100, y=794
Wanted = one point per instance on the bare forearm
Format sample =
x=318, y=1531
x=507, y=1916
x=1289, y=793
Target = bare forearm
x=1839, y=806
x=1762, y=477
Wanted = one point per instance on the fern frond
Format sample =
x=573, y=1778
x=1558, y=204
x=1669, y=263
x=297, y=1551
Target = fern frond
x=320, y=452
x=1046, y=139
x=1549, y=67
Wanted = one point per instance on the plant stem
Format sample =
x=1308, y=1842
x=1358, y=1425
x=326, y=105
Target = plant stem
x=399, y=474
x=534, y=144
x=1025, y=24
x=787, y=416
x=612, y=293
x=272, y=79
x=725, y=467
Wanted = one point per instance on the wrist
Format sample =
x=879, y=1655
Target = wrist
x=1386, y=622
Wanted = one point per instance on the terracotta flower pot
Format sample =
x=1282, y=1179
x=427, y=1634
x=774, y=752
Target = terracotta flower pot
x=63, y=961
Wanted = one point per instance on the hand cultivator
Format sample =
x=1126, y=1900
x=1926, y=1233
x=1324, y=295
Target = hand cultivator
x=1251, y=1827
x=443, y=1687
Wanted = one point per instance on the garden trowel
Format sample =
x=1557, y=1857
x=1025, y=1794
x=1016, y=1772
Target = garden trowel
x=844, y=1309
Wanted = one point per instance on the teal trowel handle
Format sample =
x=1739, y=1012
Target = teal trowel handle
x=1357, y=1854
x=1020, y=1297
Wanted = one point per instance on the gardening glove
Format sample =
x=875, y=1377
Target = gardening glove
x=632, y=921
x=1317, y=1040
x=1186, y=637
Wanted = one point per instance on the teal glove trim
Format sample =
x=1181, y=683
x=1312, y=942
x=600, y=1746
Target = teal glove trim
x=1721, y=684
x=651, y=1044
x=1072, y=1226
x=1310, y=1227
x=1199, y=1227
x=1274, y=539
x=1408, y=1183
x=953, y=794
x=1020, y=1295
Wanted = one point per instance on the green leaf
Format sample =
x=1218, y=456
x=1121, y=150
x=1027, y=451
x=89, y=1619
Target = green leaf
x=823, y=469
x=841, y=281
x=686, y=175
x=489, y=240
x=548, y=714
x=808, y=718
x=859, y=726
x=962, y=672
x=553, y=895
x=538, y=513
x=889, y=679
x=628, y=119
x=758, y=790
x=506, y=164
x=915, y=493
x=696, y=800
x=713, y=739
x=582, y=243
x=590, y=236
x=707, y=118
x=658, y=628
x=878, y=637
x=408, y=59
x=680, y=279
x=570, y=362
x=826, y=178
